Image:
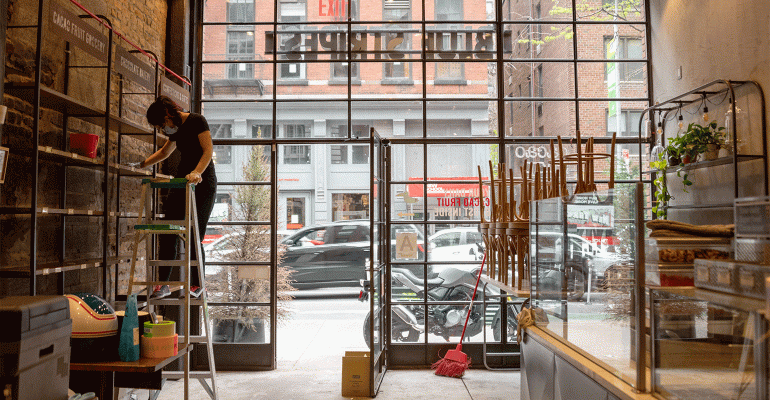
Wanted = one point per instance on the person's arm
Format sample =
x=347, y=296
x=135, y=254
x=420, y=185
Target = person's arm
x=159, y=155
x=208, y=151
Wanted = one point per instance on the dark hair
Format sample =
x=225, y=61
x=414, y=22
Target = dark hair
x=156, y=112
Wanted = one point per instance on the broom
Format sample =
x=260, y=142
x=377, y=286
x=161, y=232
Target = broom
x=455, y=362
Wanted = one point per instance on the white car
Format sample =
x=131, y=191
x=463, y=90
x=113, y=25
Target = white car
x=456, y=244
x=580, y=251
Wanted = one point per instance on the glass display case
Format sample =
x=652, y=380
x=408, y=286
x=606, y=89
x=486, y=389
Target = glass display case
x=707, y=345
x=583, y=252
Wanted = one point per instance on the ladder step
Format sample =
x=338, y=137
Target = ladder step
x=156, y=221
x=199, y=339
x=172, y=263
x=159, y=227
x=180, y=374
x=153, y=283
x=173, y=183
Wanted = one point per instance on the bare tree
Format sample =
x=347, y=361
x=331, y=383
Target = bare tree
x=250, y=244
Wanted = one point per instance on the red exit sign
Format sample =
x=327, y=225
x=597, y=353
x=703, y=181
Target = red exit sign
x=332, y=8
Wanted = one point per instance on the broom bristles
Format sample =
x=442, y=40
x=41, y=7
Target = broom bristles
x=453, y=365
x=450, y=368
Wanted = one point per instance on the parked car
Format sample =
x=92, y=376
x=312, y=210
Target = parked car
x=329, y=255
x=582, y=258
x=456, y=244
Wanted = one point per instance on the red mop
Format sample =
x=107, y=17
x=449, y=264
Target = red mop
x=455, y=362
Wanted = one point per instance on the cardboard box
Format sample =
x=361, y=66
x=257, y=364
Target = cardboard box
x=356, y=374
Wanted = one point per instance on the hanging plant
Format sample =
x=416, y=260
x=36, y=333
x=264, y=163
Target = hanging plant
x=662, y=195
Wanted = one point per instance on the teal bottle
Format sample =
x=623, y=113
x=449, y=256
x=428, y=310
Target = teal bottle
x=129, y=349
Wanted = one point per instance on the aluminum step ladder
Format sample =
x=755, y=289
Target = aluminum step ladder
x=145, y=229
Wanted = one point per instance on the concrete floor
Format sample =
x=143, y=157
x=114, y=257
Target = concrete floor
x=309, y=382
x=310, y=363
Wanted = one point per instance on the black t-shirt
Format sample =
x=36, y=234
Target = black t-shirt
x=189, y=145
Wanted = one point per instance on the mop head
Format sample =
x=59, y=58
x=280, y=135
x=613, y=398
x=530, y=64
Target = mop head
x=453, y=365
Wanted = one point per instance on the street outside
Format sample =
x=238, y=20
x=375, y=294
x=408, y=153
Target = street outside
x=312, y=310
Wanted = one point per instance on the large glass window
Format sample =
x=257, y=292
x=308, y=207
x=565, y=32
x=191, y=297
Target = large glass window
x=447, y=106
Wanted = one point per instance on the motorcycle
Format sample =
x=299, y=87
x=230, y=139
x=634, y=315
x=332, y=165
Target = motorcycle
x=447, y=321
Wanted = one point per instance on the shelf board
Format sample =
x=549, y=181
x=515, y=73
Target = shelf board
x=125, y=170
x=18, y=271
x=52, y=211
x=54, y=100
x=712, y=163
x=74, y=159
x=68, y=157
x=124, y=214
x=699, y=206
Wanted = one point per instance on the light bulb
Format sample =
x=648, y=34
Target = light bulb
x=681, y=122
x=660, y=128
x=705, y=113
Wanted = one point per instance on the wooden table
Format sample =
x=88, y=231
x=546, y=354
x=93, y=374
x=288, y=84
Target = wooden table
x=105, y=377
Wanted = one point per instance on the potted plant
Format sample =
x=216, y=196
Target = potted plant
x=673, y=155
x=706, y=139
x=682, y=147
x=682, y=150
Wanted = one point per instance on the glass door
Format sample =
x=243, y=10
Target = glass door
x=377, y=268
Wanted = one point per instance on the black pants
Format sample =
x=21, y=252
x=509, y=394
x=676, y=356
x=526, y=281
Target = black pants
x=170, y=245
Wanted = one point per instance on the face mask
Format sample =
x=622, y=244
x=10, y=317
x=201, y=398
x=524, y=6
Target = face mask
x=169, y=130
